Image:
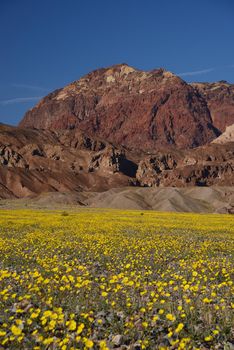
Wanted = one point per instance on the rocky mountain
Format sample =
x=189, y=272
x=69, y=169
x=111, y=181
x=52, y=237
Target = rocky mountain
x=34, y=161
x=220, y=101
x=137, y=109
x=37, y=161
x=204, y=166
x=119, y=127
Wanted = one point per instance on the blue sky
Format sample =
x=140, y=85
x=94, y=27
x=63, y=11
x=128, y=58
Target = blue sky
x=45, y=44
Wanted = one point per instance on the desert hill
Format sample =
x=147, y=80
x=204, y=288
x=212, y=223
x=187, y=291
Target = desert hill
x=129, y=107
x=120, y=127
x=36, y=161
x=191, y=199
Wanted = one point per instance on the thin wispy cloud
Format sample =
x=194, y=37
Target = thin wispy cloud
x=20, y=100
x=29, y=87
x=196, y=72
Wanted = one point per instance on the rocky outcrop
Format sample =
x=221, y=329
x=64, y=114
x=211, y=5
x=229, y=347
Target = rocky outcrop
x=220, y=100
x=36, y=161
x=126, y=106
x=204, y=166
x=10, y=157
x=33, y=161
x=227, y=136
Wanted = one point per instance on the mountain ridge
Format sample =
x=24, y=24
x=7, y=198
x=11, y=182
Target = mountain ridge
x=37, y=161
x=120, y=126
x=127, y=106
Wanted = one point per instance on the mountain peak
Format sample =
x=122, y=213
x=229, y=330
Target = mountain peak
x=130, y=107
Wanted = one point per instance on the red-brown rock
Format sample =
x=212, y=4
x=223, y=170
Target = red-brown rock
x=138, y=109
x=36, y=161
x=220, y=101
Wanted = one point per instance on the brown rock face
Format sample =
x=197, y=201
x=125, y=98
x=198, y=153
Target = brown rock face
x=120, y=126
x=205, y=166
x=33, y=161
x=37, y=161
x=220, y=101
x=137, y=109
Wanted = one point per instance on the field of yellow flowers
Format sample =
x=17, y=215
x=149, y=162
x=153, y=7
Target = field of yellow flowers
x=104, y=279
